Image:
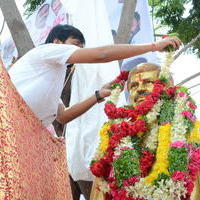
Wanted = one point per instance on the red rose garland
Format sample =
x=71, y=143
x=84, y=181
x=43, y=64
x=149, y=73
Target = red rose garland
x=122, y=77
x=102, y=167
x=114, y=113
x=146, y=162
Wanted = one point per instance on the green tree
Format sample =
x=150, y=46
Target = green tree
x=170, y=13
x=31, y=6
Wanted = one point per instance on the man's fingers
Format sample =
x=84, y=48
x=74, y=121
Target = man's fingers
x=171, y=42
x=113, y=81
x=176, y=42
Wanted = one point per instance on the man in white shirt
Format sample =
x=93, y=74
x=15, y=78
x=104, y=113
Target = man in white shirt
x=39, y=74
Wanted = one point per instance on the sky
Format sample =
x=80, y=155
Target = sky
x=187, y=65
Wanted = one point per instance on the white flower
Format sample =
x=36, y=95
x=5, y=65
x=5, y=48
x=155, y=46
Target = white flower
x=166, y=65
x=151, y=141
x=124, y=143
x=115, y=93
x=178, y=126
x=103, y=185
x=167, y=190
x=152, y=115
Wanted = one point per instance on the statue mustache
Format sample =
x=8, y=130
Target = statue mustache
x=141, y=94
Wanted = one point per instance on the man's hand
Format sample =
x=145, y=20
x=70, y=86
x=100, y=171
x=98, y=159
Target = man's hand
x=105, y=91
x=164, y=43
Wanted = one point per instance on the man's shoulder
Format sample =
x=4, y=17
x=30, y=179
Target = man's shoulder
x=53, y=45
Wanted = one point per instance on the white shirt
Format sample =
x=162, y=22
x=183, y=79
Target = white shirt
x=39, y=77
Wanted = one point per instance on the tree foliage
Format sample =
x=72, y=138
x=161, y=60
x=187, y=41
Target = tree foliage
x=171, y=13
x=31, y=6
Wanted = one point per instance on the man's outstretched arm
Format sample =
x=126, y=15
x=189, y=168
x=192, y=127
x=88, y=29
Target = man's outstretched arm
x=118, y=52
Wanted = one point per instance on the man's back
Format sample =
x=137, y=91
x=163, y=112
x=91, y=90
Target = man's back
x=39, y=76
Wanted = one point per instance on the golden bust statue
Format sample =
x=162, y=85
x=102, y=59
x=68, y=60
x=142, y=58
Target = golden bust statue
x=140, y=82
x=149, y=150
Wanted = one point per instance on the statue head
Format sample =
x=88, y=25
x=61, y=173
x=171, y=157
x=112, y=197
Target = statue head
x=141, y=82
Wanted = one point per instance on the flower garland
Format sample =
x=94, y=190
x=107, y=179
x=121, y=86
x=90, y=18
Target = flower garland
x=113, y=113
x=104, y=137
x=151, y=151
x=151, y=141
x=179, y=128
x=195, y=136
x=155, y=111
x=161, y=164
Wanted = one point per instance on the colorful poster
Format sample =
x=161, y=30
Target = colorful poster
x=39, y=24
x=141, y=29
x=48, y=15
x=8, y=52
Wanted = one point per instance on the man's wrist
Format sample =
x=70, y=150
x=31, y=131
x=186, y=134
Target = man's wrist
x=98, y=97
x=153, y=47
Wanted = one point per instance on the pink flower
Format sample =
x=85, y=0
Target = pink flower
x=196, y=157
x=193, y=171
x=124, y=148
x=189, y=185
x=192, y=106
x=189, y=115
x=178, y=144
x=178, y=176
x=182, y=94
x=130, y=181
x=111, y=175
x=115, y=157
x=171, y=91
x=165, y=36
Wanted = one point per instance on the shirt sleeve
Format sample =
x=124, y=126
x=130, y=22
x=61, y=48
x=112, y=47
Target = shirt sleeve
x=60, y=101
x=56, y=54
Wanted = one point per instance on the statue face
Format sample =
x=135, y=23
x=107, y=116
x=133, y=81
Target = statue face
x=140, y=85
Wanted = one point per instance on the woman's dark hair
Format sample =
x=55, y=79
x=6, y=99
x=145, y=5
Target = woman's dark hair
x=63, y=32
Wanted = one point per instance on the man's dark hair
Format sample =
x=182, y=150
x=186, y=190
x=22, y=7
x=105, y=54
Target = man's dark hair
x=137, y=16
x=63, y=32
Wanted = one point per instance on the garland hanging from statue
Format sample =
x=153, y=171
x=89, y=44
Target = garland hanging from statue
x=167, y=164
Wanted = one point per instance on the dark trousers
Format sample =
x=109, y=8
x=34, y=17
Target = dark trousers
x=80, y=187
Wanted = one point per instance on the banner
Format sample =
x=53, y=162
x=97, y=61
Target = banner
x=141, y=30
x=39, y=24
x=8, y=52
x=48, y=15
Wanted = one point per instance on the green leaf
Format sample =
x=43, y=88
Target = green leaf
x=126, y=166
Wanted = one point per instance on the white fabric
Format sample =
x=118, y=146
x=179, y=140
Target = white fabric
x=82, y=133
x=39, y=77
